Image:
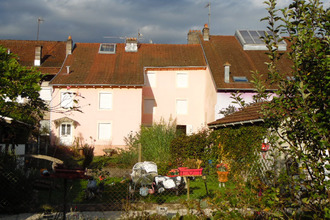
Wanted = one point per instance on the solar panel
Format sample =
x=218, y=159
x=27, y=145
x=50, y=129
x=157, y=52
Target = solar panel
x=251, y=39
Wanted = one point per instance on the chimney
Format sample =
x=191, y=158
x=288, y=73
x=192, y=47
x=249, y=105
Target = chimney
x=206, y=33
x=227, y=72
x=193, y=37
x=68, y=69
x=69, y=44
x=37, y=56
x=131, y=45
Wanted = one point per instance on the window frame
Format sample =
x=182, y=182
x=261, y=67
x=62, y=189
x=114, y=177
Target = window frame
x=181, y=84
x=99, y=137
x=66, y=134
x=104, y=106
x=70, y=102
x=177, y=107
x=153, y=82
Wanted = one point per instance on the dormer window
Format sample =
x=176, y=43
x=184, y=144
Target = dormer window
x=240, y=79
x=107, y=48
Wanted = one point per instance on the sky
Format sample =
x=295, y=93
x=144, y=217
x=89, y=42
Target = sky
x=102, y=21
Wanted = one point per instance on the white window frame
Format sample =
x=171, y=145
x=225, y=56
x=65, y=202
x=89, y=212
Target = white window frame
x=147, y=106
x=182, y=79
x=46, y=93
x=103, y=105
x=180, y=108
x=100, y=134
x=151, y=79
x=67, y=103
x=66, y=133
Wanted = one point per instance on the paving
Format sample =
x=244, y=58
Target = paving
x=94, y=215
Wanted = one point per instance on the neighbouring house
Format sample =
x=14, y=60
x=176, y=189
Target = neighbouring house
x=47, y=57
x=119, y=87
x=232, y=59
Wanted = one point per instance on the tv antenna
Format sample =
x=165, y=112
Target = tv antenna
x=40, y=20
x=208, y=5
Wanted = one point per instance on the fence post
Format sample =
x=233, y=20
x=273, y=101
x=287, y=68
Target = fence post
x=140, y=152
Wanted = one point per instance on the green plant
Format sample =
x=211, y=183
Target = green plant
x=299, y=113
x=155, y=141
x=88, y=152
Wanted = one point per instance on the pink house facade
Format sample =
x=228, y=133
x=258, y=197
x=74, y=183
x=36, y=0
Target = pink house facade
x=104, y=92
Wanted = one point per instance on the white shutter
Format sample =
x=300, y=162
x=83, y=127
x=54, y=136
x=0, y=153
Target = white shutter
x=182, y=80
x=105, y=100
x=151, y=79
x=189, y=130
x=104, y=131
x=45, y=94
x=66, y=100
x=181, y=107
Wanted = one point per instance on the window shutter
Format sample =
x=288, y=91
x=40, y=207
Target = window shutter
x=182, y=80
x=181, y=107
x=105, y=100
x=104, y=131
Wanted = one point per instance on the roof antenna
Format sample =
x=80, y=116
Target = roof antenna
x=209, y=6
x=40, y=20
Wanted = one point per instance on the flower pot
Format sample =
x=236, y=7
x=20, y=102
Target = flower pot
x=222, y=176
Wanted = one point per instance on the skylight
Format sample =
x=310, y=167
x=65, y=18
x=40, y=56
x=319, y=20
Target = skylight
x=107, y=48
x=250, y=40
x=240, y=79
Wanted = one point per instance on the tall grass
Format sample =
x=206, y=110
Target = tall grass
x=155, y=141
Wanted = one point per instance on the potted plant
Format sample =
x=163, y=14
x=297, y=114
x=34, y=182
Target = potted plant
x=222, y=170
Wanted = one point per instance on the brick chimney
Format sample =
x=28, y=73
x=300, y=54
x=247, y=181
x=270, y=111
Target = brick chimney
x=227, y=72
x=131, y=45
x=193, y=36
x=69, y=44
x=206, y=33
x=37, y=55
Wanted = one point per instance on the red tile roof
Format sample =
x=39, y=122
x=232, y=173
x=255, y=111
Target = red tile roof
x=88, y=67
x=248, y=114
x=222, y=49
x=53, y=53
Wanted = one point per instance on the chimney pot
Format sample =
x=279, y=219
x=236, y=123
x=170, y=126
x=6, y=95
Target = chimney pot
x=206, y=32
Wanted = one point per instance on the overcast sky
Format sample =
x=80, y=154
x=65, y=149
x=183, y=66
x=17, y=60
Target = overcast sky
x=159, y=21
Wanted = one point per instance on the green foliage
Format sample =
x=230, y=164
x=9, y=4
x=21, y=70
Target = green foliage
x=194, y=146
x=16, y=185
x=299, y=114
x=239, y=147
x=18, y=81
x=155, y=141
x=88, y=152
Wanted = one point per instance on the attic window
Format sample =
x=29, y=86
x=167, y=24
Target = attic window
x=107, y=48
x=251, y=40
x=240, y=79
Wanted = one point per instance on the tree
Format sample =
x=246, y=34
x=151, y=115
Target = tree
x=19, y=92
x=300, y=113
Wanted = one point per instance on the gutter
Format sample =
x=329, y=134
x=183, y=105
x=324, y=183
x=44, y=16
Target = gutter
x=236, y=123
x=98, y=85
x=242, y=89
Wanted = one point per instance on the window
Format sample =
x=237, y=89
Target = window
x=151, y=79
x=104, y=131
x=107, y=48
x=105, y=99
x=181, y=106
x=182, y=80
x=240, y=79
x=45, y=94
x=65, y=129
x=149, y=106
x=67, y=100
